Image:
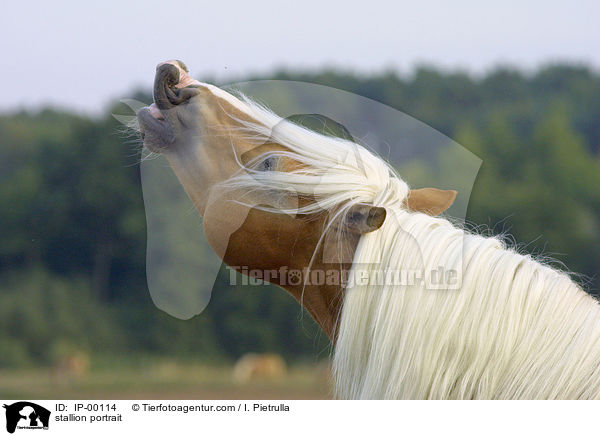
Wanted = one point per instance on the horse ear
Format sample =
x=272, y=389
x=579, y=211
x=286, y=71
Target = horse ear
x=363, y=218
x=430, y=200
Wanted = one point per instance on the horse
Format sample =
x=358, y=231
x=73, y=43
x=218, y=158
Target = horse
x=278, y=197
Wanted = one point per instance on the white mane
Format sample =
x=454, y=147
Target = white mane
x=514, y=328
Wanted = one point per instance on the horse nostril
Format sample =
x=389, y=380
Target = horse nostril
x=172, y=85
x=167, y=76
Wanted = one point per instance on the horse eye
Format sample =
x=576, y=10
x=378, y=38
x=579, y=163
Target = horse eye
x=267, y=165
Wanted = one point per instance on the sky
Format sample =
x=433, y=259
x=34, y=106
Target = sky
x=82, y=55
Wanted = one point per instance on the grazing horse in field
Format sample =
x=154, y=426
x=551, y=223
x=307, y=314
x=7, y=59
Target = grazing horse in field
x=278, y=197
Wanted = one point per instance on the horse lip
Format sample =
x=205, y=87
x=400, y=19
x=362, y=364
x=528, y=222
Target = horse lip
x=172, y=88
x=166, y=78
x=156, y=132
x=173, y=85
x=156, y=112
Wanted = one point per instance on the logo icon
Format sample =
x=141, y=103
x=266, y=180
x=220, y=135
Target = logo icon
x=26, y=415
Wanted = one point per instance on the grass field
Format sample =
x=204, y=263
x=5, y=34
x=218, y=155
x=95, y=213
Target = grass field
x=162, y=380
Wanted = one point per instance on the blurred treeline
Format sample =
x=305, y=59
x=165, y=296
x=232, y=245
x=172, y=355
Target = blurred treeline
x=72, y=256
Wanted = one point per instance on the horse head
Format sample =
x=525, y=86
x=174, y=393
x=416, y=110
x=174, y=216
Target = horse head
x=258, y=182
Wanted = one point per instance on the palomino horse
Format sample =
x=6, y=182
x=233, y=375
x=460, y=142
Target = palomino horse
x=276, y=196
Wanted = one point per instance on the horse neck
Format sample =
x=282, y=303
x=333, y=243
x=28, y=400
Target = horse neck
x=510, y=320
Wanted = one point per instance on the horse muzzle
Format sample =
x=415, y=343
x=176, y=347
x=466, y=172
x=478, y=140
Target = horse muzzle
x=162, y=122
